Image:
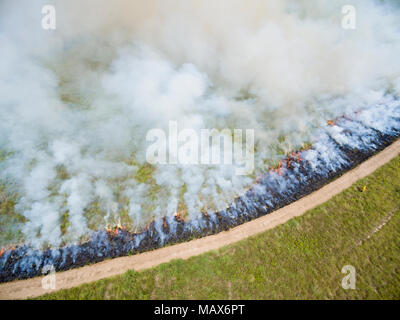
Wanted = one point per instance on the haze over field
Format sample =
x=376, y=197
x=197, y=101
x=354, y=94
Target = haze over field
x=76, y=103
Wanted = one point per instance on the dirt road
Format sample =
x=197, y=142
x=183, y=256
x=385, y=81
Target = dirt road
x=72, y=278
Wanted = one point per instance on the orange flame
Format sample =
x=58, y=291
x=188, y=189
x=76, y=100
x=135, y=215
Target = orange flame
x=2, y=251
x=113, y=231
x=147, y=225
x=278, y=168
x=178, y=217
x=164, y=224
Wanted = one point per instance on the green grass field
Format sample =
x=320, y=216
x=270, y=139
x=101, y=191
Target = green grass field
x=301, y=259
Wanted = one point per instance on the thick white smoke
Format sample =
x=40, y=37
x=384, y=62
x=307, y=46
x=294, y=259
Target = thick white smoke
x=76, y=102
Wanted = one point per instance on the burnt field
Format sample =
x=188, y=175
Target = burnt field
x=341, y=145
x=112, y=121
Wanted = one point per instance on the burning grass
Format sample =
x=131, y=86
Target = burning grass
x=301, y=259
x=93, y=91
x=298, y=173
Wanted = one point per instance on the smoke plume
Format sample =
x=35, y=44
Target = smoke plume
x=76, y=102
